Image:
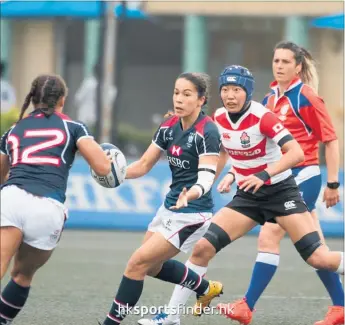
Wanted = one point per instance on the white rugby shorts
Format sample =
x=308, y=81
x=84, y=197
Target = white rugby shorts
x=40, y=219
x=183, y=230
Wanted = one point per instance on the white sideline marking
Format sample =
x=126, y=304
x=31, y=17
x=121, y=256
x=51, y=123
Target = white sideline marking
x=289, y=297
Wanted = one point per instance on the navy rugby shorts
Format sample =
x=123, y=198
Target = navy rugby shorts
x=270, y=201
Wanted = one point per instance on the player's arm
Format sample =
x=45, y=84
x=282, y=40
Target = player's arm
x=4, y=167
x=316, y=116
x=206, y=176
x=90, y=150
x=95, y=156
x=293, y=156
x=223, y=158
x=331, y=195
x=4, y=158
x=332, y=160
x=272, y=128
x=226, y=182
x=145, y=163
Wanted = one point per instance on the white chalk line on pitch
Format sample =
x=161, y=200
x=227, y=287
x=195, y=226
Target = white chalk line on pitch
x=289, y=297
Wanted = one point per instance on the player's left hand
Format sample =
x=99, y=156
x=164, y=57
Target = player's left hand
x=250, y=182
x=182, y=200
x=331, y=197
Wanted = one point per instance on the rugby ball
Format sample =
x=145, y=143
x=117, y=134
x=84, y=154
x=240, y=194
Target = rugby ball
x=118, y=167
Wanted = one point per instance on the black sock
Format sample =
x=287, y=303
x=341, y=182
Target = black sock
x=127, y=296
x=13, y=298
x=176, y=272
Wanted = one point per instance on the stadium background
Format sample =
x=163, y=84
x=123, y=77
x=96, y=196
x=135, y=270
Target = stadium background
x=142, y=48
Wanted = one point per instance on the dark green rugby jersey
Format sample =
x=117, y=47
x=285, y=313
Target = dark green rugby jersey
x=183, y=150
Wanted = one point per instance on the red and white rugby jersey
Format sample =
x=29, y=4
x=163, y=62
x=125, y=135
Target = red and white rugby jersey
x=252, y=142
x=304, y=114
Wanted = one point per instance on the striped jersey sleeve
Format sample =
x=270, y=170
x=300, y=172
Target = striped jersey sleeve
x=159, y=138
x=209, y=141
x=78, y=130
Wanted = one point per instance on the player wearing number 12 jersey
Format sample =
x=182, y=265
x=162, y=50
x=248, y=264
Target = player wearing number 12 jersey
x=38, y=152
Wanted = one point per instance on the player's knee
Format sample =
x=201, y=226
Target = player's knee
x=323, y=258
x=270, y=237
x=311, y=250
x=203, y=250
x=217, y=237
x=154, y=270
x=137, y=265
x=314, y=217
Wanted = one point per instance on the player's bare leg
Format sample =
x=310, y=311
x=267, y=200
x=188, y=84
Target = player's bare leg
x=307, y=241
x=11, y=238
x=27, y=261
x=227, y=226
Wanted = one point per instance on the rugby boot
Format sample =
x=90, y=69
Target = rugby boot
x=237, y=310
x=203, y=301
x=334, y=316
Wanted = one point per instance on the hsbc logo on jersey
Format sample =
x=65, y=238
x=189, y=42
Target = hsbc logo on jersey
x=176, y=151
x=177, y=162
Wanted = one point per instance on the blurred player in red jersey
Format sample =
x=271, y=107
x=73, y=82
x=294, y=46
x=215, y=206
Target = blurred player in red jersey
x=295, y=101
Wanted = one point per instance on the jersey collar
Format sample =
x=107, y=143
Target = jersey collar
x=239, y=121
x=201, y=115
x=294, y=83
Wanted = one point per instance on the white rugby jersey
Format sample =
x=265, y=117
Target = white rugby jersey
x=252, y=142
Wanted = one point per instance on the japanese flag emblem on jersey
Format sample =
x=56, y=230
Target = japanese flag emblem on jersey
x=278, y=127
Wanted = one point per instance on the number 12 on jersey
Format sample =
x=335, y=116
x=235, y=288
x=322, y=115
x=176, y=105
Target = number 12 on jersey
x=55, y=137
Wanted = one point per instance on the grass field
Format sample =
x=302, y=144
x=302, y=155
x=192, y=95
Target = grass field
x=78, y=284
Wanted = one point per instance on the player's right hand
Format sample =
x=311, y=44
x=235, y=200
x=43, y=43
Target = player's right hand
x=225, y=184
x=182, y=200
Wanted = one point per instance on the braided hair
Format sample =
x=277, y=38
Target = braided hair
x=45, y=92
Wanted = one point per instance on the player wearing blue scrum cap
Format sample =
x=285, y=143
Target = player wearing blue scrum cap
x=254, y=139
x=294, y=99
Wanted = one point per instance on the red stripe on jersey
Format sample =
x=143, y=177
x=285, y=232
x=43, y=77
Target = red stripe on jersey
x=249, y=171
x=248, y=122
x=170, y=122
x=223, y=121
x=255, y=152
x=63, y=116
x=200, y=126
